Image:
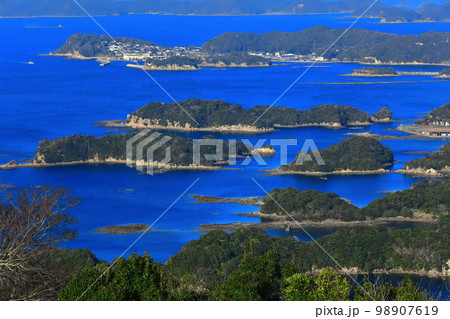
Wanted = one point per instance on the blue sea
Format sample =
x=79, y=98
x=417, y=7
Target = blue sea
x=56, y=97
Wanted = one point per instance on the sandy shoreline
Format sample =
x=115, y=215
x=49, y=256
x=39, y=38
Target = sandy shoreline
x=110, y=162
x=224, y=128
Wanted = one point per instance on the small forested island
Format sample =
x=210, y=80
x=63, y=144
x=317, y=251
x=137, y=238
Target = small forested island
x=83, y=149
x=124, y=229
x=357, y=155
x=384, y=115
x=374, y=72
x=388, y=72
x=435, y=164
x=358, y=45
x=217, y=115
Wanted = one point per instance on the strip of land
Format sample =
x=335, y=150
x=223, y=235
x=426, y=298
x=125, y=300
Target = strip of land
x=288, y=226
x=124, y=229
x=204, y=199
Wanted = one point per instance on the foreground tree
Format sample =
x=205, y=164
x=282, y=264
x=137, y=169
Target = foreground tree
x=33, y=221
x=255, y=279
x=327, y=286
x=136, y=278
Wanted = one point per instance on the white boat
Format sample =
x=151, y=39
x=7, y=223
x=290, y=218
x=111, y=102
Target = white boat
x=30, y=62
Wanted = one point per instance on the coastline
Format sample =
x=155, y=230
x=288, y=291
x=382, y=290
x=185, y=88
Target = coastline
x=139, y=123
x=275, y=172
x=166, y=168
x=354, y=271
x=436, y=74
x=170, y=67
x=424, y=172
x=381, y=137
x=280, y=223
x=144, y=124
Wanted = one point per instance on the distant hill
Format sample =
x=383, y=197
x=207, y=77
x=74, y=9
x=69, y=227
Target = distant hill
x=356, y=45
x=427, y=12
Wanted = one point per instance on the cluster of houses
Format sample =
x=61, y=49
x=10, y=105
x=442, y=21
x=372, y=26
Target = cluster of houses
x=289, y=57
x=138, y=52
x=436, y=128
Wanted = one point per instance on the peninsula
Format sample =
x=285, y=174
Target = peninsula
x=358, y=45
x=221, y=116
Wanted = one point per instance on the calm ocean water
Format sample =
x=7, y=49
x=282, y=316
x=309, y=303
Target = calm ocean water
x=57, y=97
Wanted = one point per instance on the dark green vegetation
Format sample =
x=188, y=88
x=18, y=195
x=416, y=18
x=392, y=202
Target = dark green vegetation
x=438, y=161
x=358, y=153
x=94, y=45
x=215, y=256
x=384, y=114
x=431, y=197
x=83, y=148
x=427, y=196
x=445, y=72
x=441, y=113
x=356, y=45
x=375, y=71
x=216, y=113
x=221, y=266
x=309, y=205
x=237, y=58
x=428, y=11
x=177, y=61
x=245, y=265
